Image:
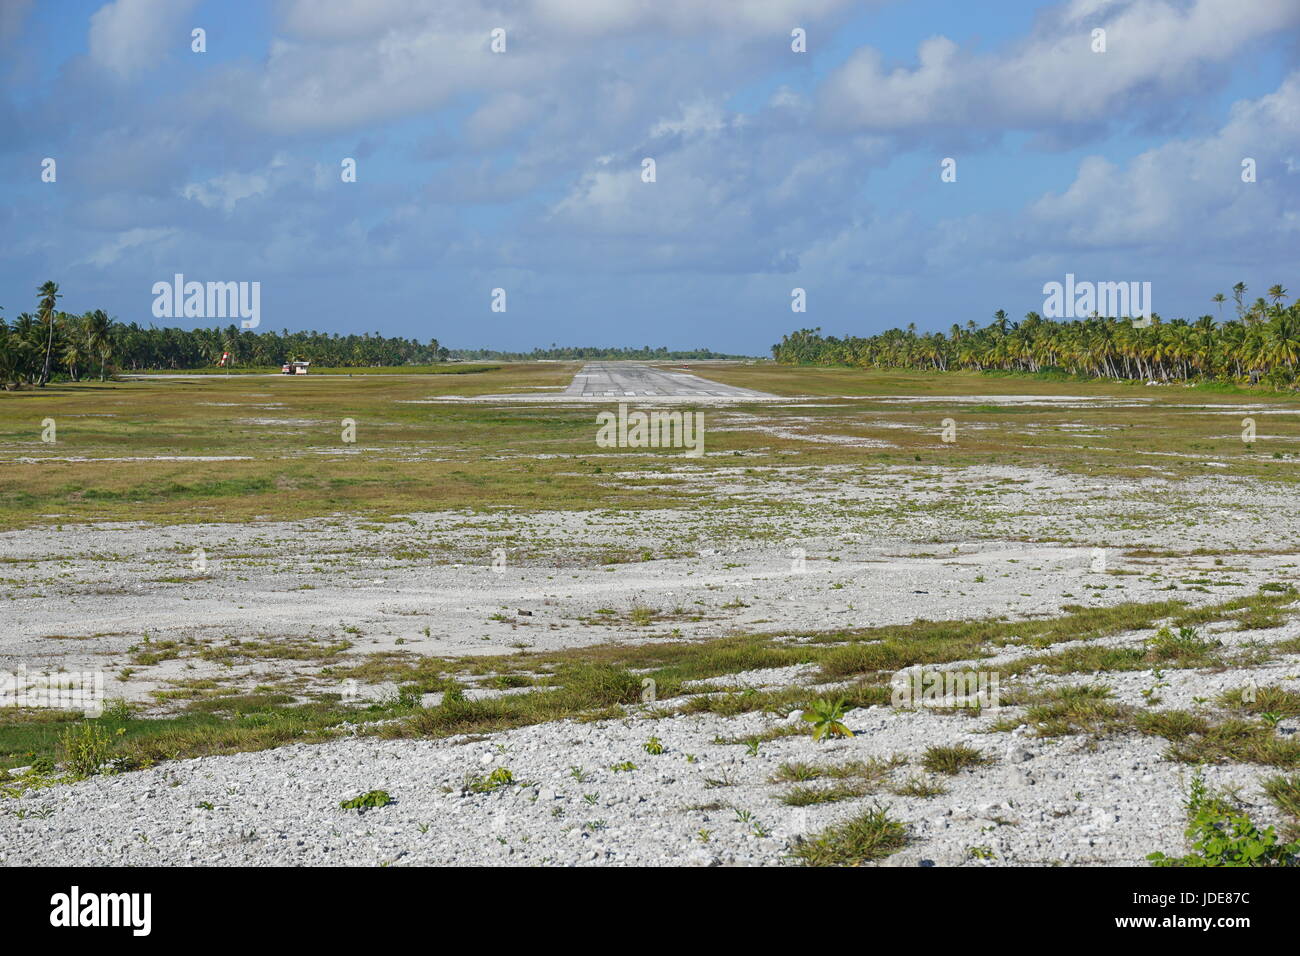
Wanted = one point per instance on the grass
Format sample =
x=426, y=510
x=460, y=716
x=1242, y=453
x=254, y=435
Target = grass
x=600, y=681
x=1084, y=715
x=873, y=769
x=919, y=786
x=952, y=759
x=1263, y=700
x=844, y=781
x=591, y=692
x=894, y=647
x=280, y=431
x=216, y=726
x=1284, y=794
x=870, y=836
x=1235, y=741
x=1184, y=646
x=448, y=368
x=803, y=796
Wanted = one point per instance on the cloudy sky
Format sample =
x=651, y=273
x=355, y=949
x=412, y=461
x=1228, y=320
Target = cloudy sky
x=522, y=170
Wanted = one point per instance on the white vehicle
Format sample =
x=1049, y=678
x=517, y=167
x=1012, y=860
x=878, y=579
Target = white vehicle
x=294, y=368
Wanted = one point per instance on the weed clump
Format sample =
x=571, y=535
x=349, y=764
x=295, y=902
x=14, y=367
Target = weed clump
x=370, y=799
x=86, y=748
x=1220, y=833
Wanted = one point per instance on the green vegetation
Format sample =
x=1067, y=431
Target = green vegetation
x=36, y=348
x=951, y=760
x=1284, y=793
x=217, y=725
x=844, y=781
x=1220, y=833
x=241, y=448
x=86, y=749
x=865, y=838
x=366, y=801
x=1184, y=645
x=601, y=681
x=498, y=778
x=827, y=719
x=1261, y=344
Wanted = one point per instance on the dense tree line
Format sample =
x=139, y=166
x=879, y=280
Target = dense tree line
x=1260, y=344
x=49, y=343
x=34, y=348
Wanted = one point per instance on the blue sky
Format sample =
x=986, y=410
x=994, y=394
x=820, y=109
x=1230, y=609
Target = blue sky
x=522, y=170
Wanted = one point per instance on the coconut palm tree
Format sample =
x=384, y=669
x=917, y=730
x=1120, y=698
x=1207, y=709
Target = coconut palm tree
x=74, y=355
x=8, y=355
x=49, y=296
x=97, y=330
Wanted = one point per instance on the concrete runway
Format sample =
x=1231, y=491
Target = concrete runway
x=629, y=380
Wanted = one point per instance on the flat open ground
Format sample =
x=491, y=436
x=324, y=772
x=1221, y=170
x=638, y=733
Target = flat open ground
x=303, y=612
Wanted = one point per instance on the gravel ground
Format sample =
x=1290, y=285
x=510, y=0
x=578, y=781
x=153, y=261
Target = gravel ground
x=1038, y=801
x=881, y=547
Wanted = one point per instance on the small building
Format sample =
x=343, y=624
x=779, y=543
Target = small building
x=294, y=368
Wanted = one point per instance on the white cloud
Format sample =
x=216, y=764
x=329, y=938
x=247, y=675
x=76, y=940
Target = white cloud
x=364, y=19
x=1189, y=186
x=128, y=37
x=347, y=62
x=227, y=189
x=111, y=252
x=1155, y=48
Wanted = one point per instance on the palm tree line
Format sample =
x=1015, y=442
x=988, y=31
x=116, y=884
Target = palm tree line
x=1261, y=343
x=36, y=347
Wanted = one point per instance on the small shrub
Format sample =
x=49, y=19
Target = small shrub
x=86, y=748
x=827, y=718
x=1222, y=834
x=500, y=777
x=365, y=801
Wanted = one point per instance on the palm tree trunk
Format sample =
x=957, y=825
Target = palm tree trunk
x=49, y=347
